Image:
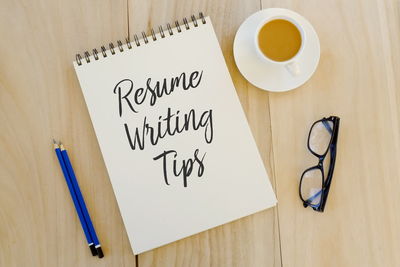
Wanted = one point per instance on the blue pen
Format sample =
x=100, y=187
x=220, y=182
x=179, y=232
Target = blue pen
x=75, y=200
x=81, y=200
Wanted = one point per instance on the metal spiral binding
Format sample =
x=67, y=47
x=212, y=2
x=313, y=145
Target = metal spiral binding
x=145, y=40
x=103, y=51
x=169, y=29
x=161, y=31
x=178, y=27
x=96, y=57
x=121, y=49
x=186, y=23
x=128, y=43
x=111, y=46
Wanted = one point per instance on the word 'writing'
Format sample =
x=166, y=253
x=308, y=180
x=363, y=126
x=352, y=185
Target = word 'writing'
x=169, y=125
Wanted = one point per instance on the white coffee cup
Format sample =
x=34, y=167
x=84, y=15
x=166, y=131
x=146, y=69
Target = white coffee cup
x=291, y=65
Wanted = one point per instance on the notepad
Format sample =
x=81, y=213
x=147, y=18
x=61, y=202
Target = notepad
x=176, y=143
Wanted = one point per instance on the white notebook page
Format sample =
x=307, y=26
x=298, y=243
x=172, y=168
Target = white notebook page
x=194, y=172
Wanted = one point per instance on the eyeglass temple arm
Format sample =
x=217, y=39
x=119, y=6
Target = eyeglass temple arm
x=309, y=200
x=327, y=126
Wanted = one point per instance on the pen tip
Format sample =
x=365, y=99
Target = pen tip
x=100, y=252
x=93, y=250
x=55, y=144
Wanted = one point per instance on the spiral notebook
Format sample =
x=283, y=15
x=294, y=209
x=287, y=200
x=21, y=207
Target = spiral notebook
x=178, y=150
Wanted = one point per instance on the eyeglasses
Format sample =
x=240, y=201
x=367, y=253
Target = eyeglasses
x=316, y=181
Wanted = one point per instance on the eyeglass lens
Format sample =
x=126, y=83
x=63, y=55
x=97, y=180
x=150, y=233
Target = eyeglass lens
x=320, y=137
x=311, y=186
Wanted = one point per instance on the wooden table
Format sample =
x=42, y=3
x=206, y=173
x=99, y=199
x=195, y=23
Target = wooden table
x=357, y=79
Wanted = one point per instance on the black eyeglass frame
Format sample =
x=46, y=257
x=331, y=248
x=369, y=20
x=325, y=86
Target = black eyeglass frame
x=332, y=148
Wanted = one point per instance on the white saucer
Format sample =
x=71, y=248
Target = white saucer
x=269, y=76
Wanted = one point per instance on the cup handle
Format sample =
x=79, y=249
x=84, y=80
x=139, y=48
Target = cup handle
x=293, y=68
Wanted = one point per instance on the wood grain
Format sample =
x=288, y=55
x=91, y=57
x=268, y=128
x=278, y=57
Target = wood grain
x=40, y=98
x=356, y=81
x=252, y=241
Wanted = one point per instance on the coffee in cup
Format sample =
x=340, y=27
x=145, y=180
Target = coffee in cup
x=280, y=40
